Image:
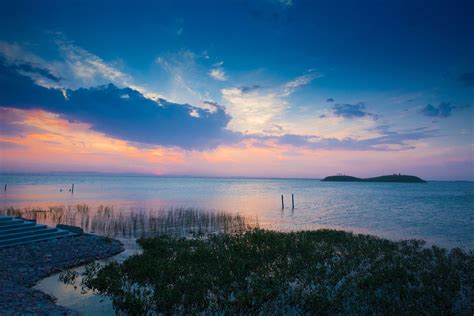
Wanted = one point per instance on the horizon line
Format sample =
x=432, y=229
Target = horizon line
x=138, y=174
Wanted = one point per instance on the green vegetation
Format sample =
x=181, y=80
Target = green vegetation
x=259, y=271
x=388, y=178
x=107, y=221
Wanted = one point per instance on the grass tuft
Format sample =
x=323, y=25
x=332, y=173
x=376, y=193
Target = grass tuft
x=135, y=223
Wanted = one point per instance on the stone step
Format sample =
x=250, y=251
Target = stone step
x=17, y=224
x=5, y=218
x=26, y=239
x=13, y=221
x=46, y=238
x=36, y=232
x=17, y=231
x=23, y=228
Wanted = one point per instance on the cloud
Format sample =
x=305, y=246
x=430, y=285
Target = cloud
x=467, y=79
x=351, y=111
x=139, y=120
x=444, y=109
x=42, y=72
x=31, y=70
x=90, y=70
x=186, y=75
x=252, y=112
x=387, y=140
x=299, y=82
x=78, y=68
x=329, y=100
x=218, y=74
x=247, y=89
x=210, y=106
x=256, y=110
x=6, y=145
x=12, y=123
x=135, y=119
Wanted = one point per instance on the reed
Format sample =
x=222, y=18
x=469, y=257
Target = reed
x=135, y=223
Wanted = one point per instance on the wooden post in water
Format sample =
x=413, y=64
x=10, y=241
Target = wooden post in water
x=72, y=189
x=282, y=203
x=5, y=187
x=292, y=201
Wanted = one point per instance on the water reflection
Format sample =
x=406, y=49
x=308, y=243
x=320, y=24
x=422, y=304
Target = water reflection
x=438, y=212
x=74, y=297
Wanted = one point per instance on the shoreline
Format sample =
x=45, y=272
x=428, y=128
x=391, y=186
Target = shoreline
x=23, y=266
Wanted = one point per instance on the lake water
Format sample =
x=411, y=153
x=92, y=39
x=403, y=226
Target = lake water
x=438, y=212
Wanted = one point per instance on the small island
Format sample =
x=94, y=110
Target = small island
x=388, y=178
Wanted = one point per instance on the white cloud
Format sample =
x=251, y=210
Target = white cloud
x=89, y=69
x=259, y=110
x=190, y=78
x=299, y=82
x=180, y=67
x=252, y=112
x=210, y=106
x=78, y=68
x=218, y=74
x=194, y=113
x=15, y=54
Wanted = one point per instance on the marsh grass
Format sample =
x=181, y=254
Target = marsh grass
x=135, y=223
x=265, y=272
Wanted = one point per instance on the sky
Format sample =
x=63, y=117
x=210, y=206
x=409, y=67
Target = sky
x=264, y=88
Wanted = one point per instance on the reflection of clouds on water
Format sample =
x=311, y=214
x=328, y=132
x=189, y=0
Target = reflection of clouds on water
x=85, y=301
x=439, y=212
x=74, y=298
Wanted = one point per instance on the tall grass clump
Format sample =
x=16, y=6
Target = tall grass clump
x=312, y=272
x=135, y=223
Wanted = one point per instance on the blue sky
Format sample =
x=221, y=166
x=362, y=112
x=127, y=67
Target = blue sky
x=352, y=75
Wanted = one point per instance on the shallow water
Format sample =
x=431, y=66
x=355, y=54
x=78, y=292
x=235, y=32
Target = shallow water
x=439, y=212
x=77, y=299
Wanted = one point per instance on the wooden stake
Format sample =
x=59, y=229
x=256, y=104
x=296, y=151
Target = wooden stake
x=282, y=203
x=72, y=189
x=5, y=187
x=292, y=201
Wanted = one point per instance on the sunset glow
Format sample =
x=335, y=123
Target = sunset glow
x=69, y=103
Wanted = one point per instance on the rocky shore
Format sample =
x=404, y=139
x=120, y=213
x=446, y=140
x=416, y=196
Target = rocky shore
x=23, y=266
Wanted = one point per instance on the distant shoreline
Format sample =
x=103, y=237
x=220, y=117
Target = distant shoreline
x=111, y=174
x=398, y=178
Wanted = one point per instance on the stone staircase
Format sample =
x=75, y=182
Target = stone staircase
x=17, y=231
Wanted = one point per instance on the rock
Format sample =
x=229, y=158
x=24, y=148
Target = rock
x=73, y=229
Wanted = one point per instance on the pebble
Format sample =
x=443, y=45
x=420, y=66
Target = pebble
x=23, y=266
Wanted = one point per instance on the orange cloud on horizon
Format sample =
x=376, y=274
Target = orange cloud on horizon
x=48, y=142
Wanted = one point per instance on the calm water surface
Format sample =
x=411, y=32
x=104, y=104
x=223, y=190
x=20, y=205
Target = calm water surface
x=439, y=212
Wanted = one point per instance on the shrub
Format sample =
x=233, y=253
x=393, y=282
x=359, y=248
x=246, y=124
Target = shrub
x=323, y=272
